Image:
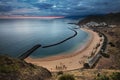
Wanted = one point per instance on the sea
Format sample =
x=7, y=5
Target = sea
x=19, y=35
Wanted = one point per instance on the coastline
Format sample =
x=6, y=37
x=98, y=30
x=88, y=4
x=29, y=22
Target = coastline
x=69, y=61
x=69, y=53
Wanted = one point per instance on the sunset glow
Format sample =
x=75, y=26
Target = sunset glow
x=30, y=17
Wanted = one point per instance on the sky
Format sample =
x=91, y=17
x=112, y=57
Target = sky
x=58, y=7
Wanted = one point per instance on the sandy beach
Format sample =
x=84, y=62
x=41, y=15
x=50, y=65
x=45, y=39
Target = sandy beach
x=71, y=61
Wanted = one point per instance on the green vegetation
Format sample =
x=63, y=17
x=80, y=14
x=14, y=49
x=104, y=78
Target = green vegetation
x=102, y=77
x=66, y=77
x=114, y=76
x=9, y=68
x=7, y=65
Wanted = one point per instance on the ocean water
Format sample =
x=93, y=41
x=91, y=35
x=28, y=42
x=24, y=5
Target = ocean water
x=19, y=35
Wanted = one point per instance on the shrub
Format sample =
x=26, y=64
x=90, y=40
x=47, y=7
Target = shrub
x=105, y=55
x=86, y=65
x=66, y=77
x=60, y=73
x=111, y=44
x=102, y=77
x=115, y=76
x=9, y=68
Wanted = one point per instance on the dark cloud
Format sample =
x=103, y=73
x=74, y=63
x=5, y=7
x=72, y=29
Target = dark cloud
x=59, y=7
x=5, y=0
x=5, y=8
x=43, y=5
x=28, y=1
x=82, y=8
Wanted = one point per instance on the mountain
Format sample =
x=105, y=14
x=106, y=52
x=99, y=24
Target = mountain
x=112, y=18
x=74, y=17
x=15, y=69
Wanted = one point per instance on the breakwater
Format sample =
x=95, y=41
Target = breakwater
x=75, y=33
x=27, y=53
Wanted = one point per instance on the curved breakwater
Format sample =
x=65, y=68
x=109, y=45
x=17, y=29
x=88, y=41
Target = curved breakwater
x=30, y=51
x=75, y=33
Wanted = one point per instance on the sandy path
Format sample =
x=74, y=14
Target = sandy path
x=70, y=61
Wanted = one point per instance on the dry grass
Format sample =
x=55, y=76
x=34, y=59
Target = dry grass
x=113, y=62
x=87, y=74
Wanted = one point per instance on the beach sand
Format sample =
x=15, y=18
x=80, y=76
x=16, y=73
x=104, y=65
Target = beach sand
x=70, y=61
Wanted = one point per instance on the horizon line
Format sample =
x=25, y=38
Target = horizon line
x=30, y=17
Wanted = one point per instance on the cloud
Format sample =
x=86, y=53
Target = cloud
x=5, y=8
x=43, y=5
x=25, y=10
x=28, y=1
x=58, y=7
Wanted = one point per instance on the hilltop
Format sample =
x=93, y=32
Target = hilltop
x=15, y=69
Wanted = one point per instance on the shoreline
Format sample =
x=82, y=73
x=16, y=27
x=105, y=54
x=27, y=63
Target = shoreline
x=68, y=61
x=66, y=54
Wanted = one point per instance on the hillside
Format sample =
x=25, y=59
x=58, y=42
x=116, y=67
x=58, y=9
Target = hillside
x=15, y=69
x=90, y=74
x=113, y=49
x=112, y=18
x=113, y=35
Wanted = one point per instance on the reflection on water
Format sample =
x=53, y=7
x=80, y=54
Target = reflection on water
x=17, y=36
